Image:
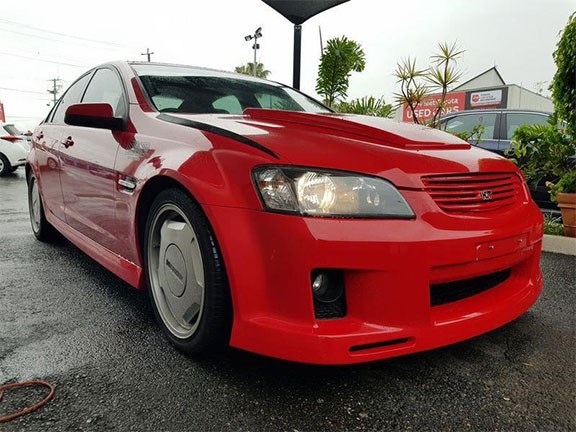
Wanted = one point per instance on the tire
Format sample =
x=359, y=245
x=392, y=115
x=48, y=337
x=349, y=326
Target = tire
x=187, y=282
x=5, y=166
x=41, y=228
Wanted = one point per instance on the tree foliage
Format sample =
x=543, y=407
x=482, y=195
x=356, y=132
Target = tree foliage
x=340, y=58
x=564, y=82
x=543, y=152
x=417, y=84
x=546, y=152
x=368, y=105
x=248, y=69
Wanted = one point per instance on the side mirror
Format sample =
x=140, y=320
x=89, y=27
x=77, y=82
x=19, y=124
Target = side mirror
x=94, y=115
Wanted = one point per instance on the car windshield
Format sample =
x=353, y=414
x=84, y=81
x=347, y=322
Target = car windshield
x=180, y=89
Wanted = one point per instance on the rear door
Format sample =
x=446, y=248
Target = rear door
x=466, y=122
x=88, y=157
x=513, y=120
x=46, y=140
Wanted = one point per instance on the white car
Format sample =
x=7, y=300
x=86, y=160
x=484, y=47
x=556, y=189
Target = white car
x=13, y=149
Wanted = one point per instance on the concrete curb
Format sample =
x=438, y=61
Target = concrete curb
x=559, y=244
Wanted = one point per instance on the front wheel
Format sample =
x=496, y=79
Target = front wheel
x=41, y=228
x=186, y=275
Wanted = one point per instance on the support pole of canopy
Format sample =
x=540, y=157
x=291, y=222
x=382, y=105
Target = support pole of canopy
x=297, y=56
x=298, y=12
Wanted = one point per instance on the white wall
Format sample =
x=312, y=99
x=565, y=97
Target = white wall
x=520, y=98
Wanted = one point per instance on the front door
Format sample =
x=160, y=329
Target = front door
x=88, y=156
x=486, y=137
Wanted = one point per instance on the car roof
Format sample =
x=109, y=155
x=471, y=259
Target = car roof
x=204, y=70
x=495, y=110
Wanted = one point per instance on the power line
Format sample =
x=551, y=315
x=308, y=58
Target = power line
x=61, y=41
x=17, y=24
x=22, y=91
x=25, y=117
x=43, y=60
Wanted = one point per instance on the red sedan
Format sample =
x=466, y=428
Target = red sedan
x=258, y=218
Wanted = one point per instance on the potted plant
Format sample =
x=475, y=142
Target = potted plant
x=564, y=193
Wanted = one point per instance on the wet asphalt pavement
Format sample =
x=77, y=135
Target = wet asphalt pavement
x=66, y=320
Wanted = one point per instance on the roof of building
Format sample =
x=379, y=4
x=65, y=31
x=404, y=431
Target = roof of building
x=492, y=71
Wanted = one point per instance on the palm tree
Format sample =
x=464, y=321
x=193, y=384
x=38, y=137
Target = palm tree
x=248, y=69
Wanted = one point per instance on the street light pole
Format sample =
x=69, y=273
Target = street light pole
x=255, y=51
x=257, y=34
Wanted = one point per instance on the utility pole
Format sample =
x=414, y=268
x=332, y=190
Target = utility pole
x=56, y=87
x=147, y=54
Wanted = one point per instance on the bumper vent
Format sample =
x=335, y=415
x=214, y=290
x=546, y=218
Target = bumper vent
x=333, y=310
x=458, y=290
x=475, y=192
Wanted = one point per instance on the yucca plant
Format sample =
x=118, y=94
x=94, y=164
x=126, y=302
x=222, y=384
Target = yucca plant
x=417, y=84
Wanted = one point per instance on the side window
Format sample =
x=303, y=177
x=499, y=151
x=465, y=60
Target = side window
x=167, y=102
x=269, y=101
x=72, y=96
x=465, y=123
x=105, y=87
x=515, y=120
x=229, y=104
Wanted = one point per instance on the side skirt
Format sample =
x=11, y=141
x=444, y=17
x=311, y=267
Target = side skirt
x=121, y=267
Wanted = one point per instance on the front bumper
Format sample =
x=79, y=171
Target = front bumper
x=20, y=162
x=388, y=266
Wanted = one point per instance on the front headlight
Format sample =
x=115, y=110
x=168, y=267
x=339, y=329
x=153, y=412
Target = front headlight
x=318, y=192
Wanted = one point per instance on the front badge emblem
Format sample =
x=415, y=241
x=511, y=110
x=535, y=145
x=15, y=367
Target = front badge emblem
x=486, y=195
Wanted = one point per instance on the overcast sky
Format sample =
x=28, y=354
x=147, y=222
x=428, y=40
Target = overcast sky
x=518, y=36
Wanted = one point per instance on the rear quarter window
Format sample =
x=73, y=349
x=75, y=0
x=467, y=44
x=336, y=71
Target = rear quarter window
x=515, y=120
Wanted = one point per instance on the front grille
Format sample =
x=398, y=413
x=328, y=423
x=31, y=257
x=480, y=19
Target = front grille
x=458, y=290
x=475, y=192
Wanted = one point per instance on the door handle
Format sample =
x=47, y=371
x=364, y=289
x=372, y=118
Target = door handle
x=69, y=142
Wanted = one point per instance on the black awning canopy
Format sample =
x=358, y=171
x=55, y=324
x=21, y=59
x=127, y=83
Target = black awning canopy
x=299, y=11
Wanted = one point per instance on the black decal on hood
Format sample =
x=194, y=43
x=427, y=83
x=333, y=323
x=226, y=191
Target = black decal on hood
x=217, y=131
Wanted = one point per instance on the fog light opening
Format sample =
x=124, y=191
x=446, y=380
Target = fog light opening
x=327, y=285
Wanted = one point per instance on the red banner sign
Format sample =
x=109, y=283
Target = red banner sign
x=425, y=110
x=2, y=116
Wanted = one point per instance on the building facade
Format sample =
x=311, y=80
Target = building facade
x=485, y=91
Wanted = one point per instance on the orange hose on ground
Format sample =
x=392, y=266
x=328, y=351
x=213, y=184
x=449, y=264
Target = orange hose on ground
x=29, y=409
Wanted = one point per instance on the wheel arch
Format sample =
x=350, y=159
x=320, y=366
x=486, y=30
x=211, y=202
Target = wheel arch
x=144, y=203
x=146, y=197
